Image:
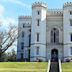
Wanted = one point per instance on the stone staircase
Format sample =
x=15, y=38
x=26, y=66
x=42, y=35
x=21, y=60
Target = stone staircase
x=54, y=67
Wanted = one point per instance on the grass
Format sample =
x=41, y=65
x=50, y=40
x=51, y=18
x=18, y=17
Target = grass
x=67, y=67
x=23, y=66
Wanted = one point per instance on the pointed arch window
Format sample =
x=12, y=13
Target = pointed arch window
x=54, y=35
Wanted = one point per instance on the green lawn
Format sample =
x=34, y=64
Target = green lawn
x=23, y=66
x=67, y=67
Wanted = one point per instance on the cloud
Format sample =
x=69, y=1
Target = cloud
x=18, y=2
x=1, y=10
x=5, y=21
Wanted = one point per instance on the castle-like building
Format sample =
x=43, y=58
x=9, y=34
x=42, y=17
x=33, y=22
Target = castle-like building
x=47, y=34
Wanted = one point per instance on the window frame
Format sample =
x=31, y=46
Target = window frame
x=70, y=22
x=70, y=12
x=22, y=55
x=38, y=22
x=38, y=35
x=23, y=25
x=37, y=50
x=71, y=50
x=38, y=12
x=23, y=34
x=22, y=45
x=54, y=35
x=71, y=37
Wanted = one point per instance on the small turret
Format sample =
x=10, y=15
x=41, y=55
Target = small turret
x=39, y=4
x=67, y=4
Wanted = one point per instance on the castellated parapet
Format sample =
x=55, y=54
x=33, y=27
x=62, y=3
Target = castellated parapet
x=39, y=4
x=24, y=17
x=67, y=4
x=55, y=11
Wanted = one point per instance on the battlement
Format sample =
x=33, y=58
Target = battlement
x=55, y=11
x=67, y=4
x=24, y=17
x=39, y=4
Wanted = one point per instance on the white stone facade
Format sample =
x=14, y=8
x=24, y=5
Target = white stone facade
x=48, y=31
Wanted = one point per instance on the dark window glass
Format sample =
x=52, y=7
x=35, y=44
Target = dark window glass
x=38, y=12
x=70, y=12
x=22, y=45
x=38, y=22
x=37, y=37
x=22, y=34
x=29, y=40
x=55, y=35
x=23, y=25
x=71, y=50
x=70, y=22
x=37, y=51
x=29, y=30
x=71, y=37
x=21, y=55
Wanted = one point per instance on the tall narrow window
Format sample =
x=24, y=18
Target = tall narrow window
x=38, y=12
x=38, y=22
x=54, y=35
x=23, y=25
x=71, y=37
x=29, y=40
x=71, y=50
x=21, y=55
x=70, y=12
x=37, y=50
x=37, y=37
x=22, y=34
x=70, y=22
x=22, y=45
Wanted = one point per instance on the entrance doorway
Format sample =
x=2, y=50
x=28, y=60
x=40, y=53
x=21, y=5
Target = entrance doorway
x=54, y=55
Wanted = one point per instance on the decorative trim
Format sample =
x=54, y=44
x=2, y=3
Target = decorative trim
x=25, y=17
x=59, y=44
x=27, y=26
x=37, y=43
x=37, y=56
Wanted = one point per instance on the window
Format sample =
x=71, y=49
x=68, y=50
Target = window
x=21, y=55
x=29, y=30
x=38, y=12
x=37, y=37
x=38, y=22
x=22, y=45
x=70, y=22
x=70, y=12
x=71, y=50
x=22, y=34
x=37, y=50
x=29, y=40
x=55, y=35
x=23, y=25
x=71, y=37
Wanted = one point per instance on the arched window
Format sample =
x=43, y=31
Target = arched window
x=54, y=35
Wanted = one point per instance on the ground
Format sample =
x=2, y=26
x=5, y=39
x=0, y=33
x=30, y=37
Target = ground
x=23, y=66
x=67, y=67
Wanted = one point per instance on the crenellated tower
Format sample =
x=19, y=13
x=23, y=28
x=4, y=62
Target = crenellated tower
x=38, y=31
x=67, y=28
